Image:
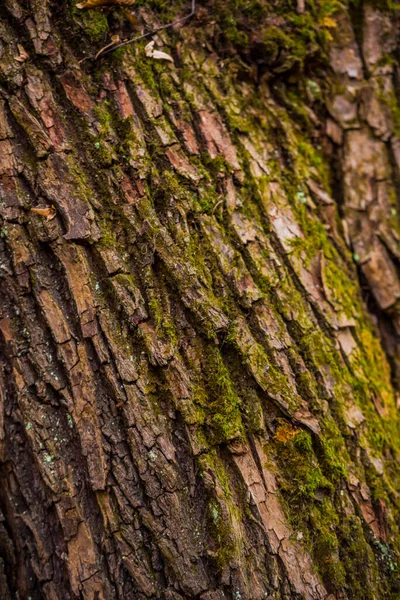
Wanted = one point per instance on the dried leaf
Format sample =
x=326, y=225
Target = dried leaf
x=23, y=55
x=151, y=53
x=49, y=212
x=149, y=48
x=133, y=20
x=98, y=3
x=162, y=56
x=328, y=22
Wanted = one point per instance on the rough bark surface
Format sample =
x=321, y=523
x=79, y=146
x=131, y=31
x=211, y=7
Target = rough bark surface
x=199, y=304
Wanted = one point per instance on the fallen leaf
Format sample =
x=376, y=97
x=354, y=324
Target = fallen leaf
x=49, y=212
x=162, y=55
x=133, y=20
x=23, y=55
x=98, y=3
x=328, y=22
x=151, y=53
x=149, y=48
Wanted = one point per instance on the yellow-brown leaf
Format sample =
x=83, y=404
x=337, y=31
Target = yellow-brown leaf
x=48, y=212
x=328, y=22
x=99, y=3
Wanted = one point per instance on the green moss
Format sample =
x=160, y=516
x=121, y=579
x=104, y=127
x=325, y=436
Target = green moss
x=297, y=457
x=324, y=521
x=308, y=474
x=388, y=559
x=343, y=291
x=165, y=11
x=267, y=374
x=217, y=166
x=222, y=534
x=145, y=72
x=332, y=453
x=170, y=91
x=80, y=178
x=162, y=319
x=219, y=399
x=223, y=403
x=156, y=313
x=93, y=23
x=248, y=27
x=362, y=573
x=367, y=380
x=310, y=156
x=282, y=51
x=104, y=116
x=116, y=57
x=315, y=238
x=223, y=511
x=171, y=185
x=207, y=198
x=109, y=238
x=102, y=152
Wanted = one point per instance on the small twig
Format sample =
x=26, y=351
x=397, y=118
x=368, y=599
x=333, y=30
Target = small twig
x=216, y=206
x=107, y=50
x=109, y=45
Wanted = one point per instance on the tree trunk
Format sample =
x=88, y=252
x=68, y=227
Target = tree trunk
x=199, y=302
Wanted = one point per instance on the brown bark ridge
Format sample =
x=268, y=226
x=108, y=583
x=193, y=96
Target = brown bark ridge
x=200, y=300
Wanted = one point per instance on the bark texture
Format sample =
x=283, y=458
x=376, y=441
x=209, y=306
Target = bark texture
x=200, y=303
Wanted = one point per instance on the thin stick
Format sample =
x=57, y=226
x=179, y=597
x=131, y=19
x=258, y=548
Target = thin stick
x=106, y=50
x=216, y=206
x=109, y=45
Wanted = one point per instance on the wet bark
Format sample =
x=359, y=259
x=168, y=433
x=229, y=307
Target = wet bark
x=199, y=306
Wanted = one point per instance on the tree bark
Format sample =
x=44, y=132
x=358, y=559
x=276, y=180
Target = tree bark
x=199, y=303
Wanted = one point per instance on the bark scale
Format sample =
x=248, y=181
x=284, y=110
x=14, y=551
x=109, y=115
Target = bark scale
x=199, y=350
